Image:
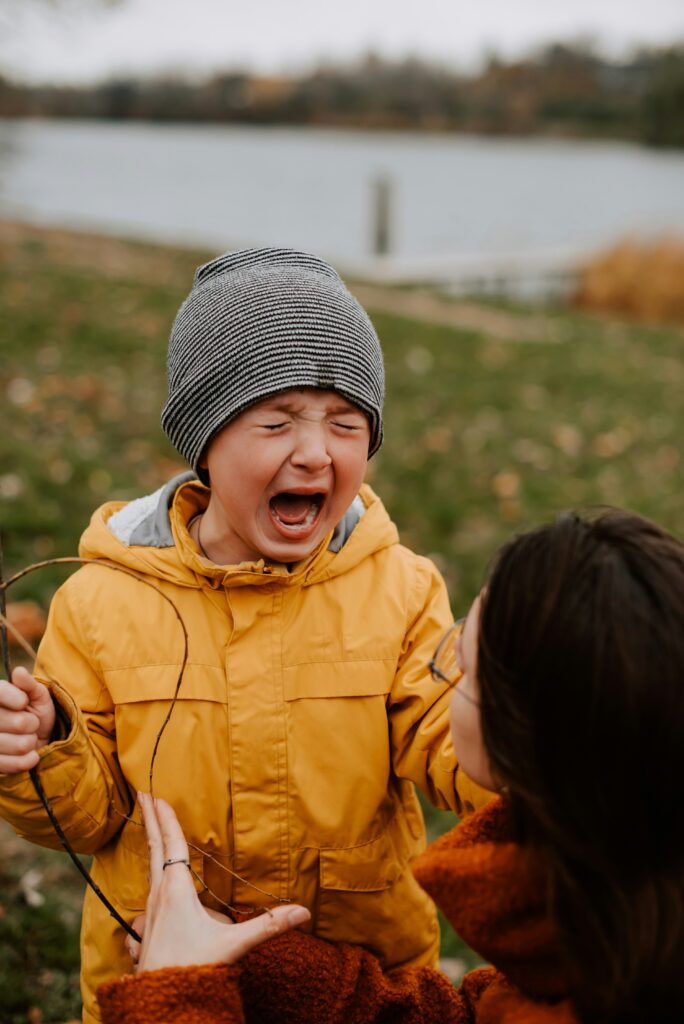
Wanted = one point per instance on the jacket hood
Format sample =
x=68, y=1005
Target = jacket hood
x=150, y=535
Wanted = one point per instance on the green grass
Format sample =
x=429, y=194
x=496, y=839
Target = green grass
x=39, y=965
x=483, y=438
x=492, y=437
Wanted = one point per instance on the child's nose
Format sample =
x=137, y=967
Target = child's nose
x=311, y=449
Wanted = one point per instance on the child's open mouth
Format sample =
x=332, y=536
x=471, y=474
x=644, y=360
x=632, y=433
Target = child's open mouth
x=296, y=514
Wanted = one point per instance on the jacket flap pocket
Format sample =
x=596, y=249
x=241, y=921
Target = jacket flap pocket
x=374, y=865
x=338, y=679
x=159, y=682
x=123, y=869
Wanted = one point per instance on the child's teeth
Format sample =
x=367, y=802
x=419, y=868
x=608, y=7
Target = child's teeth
x=287, y=514
x=307, y=521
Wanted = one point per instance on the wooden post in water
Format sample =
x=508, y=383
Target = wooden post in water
x=382, y=215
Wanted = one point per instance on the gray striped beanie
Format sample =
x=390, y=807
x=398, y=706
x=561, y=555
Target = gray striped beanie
x=258, y=322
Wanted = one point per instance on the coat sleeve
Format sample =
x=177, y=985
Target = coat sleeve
x=80, y=772
x=176, y=995
x=418, y=707
x=298, y=978
x=295, y=979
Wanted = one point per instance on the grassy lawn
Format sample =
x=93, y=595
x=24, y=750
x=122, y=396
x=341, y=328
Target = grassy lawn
x=40, y=912
x=483, y=437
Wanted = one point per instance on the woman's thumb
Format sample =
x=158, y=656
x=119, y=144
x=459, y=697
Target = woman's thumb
x=248, y=934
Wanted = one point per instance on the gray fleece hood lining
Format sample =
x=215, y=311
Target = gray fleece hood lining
x=145, y=522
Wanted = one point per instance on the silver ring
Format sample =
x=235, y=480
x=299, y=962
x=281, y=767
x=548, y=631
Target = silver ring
x=178, y=860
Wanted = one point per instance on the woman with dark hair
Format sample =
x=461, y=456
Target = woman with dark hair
x=568, y=700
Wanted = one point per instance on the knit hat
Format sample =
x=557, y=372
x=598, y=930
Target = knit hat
x=258, y=322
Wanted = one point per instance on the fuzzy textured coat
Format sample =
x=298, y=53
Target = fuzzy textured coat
x=492, y=892
x=305, y=715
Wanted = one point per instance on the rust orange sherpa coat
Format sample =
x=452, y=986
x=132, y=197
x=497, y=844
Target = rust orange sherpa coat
x=492, y=892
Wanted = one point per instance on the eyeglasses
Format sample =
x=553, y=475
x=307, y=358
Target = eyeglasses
x=444, y=666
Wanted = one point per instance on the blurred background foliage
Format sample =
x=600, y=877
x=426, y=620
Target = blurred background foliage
x=484, y=434
x=564, y=88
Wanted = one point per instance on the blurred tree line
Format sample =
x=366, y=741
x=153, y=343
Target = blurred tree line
x=565, y=88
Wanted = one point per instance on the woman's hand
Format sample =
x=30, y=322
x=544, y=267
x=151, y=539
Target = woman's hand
x=133, y=947
x=178, y=930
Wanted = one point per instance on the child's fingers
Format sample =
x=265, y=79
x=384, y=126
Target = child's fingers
x=20, y=722
x=12, y=698
x=35, y=691
x=26, y=693
x=17, y=744
x=13, y=765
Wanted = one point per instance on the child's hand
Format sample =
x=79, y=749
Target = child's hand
x=178, y=930
x=27, y=717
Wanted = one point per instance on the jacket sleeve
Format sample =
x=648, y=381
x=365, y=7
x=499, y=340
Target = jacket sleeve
x=175, y=995
x=418, y=707
x=298, y=978
x=80, y=773
x=295, y=979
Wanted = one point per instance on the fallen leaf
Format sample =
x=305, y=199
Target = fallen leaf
x=29, y=618
x=28, y=884
x=506, y=484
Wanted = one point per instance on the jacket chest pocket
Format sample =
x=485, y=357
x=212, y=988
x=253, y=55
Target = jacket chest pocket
x=348, y=678
x=338, y=736
x=140, y=683
x=194, y=740
x=337, y=723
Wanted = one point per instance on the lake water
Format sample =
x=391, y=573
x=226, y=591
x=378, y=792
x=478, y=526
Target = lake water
x=221, y=186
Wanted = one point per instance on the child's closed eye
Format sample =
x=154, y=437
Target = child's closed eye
x=347, y=426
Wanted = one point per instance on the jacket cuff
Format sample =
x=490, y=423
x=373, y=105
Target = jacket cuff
x=174, y=995
x=63, y=724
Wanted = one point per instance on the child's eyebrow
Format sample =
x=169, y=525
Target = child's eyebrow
x=274, y=406
x=291, y=405
x=346, y=409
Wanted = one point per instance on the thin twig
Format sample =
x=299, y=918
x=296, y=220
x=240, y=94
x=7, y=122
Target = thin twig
x=28, y=649
x=74, y=560
x=5, y=625
x=4, y=640
x=33, y=772
x=223, y=867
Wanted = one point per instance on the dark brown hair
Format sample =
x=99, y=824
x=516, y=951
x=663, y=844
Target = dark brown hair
x=581, y=673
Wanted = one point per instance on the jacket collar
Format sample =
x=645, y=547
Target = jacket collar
x=189, y=501
x=494, y=893
x=150, y=535
x=146, y=522
x=343, y=547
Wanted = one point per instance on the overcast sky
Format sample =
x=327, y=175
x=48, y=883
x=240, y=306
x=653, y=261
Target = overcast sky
x=288, y=35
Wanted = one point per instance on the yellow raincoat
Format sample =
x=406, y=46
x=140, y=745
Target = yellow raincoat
x=305, y=714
